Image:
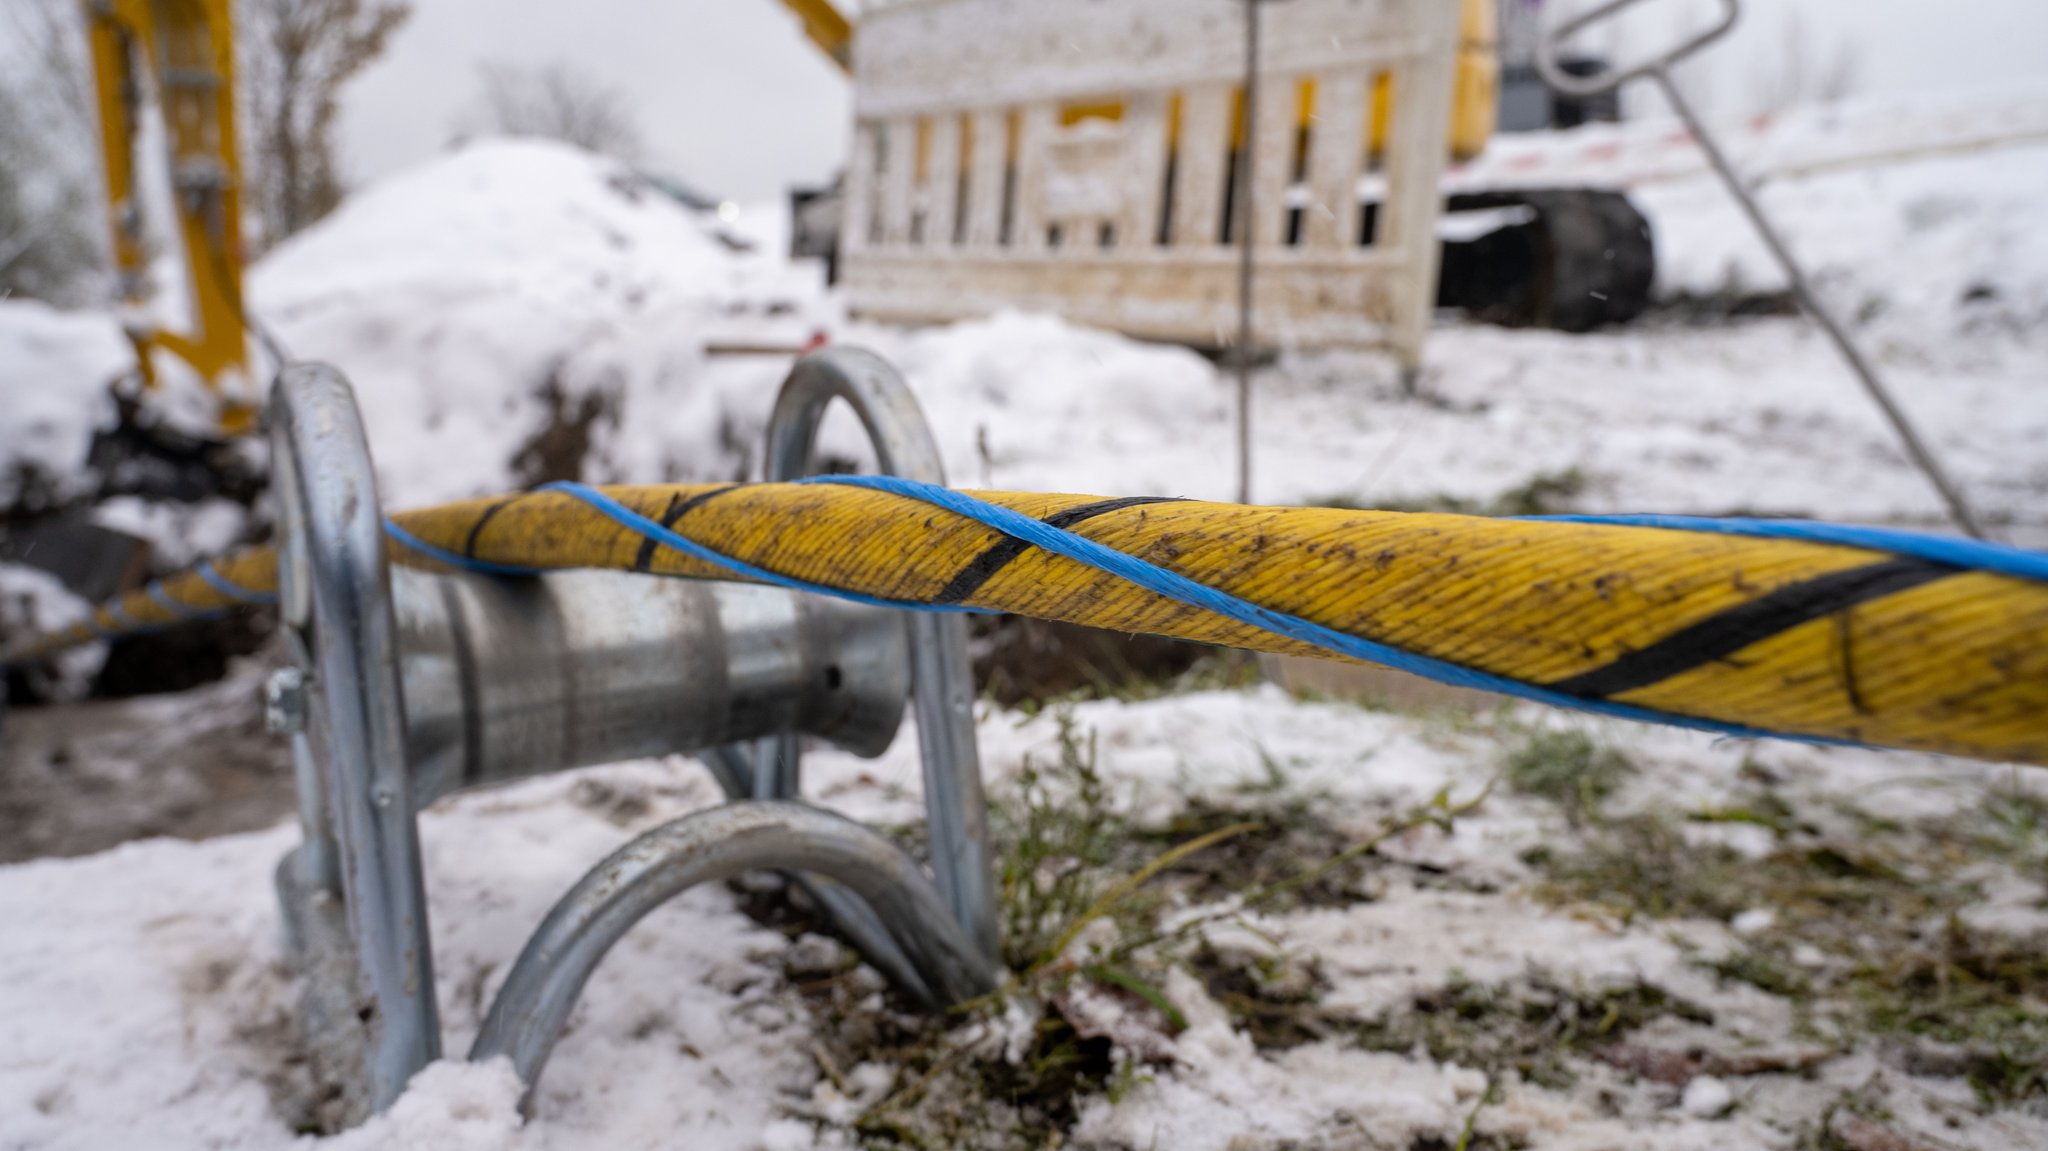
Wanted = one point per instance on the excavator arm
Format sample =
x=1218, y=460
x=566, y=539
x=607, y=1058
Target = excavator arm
x=187, y=46
x=828, y=28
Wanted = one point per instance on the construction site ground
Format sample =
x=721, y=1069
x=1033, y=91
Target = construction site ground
x=1445, y=923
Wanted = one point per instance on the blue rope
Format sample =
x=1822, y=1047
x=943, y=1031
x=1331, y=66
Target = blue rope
x=627, y=517
x=1970, y=555
x=1966, y=554
x=1178, y=587
x=230, y=588
x=163, y=599
x=452, y=559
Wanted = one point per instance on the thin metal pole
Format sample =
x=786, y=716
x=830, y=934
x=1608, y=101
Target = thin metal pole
x=1241, y=227
x=1958, y=508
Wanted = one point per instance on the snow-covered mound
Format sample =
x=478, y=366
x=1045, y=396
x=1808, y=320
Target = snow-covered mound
x=1035, y=403
x=515, y=286
x=54, y=371
x=1941, y=247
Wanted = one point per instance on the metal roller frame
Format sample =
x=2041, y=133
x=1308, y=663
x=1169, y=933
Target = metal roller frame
x=353, y=892
x=942, y=671
x=530, y=1010
x=355, y=787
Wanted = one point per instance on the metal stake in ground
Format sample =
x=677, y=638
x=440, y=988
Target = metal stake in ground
x=1241, y=231
x=1659, y=70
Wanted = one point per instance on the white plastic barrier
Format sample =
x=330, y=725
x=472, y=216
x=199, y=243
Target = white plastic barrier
x=980, y=181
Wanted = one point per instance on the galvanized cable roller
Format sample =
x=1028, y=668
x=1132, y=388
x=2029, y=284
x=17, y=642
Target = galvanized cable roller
x=409, y=685
x=1824, y=632
x=1756, y=628
x=942, y=671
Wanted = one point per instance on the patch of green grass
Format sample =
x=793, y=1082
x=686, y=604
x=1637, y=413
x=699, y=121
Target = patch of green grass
x=2011, y=823
x=1543, y=494
x=1762, y=969
x=1533, y=1027
x=1058, y=840
x=1068, y=857
x=1868, y=940
x=1568, y=767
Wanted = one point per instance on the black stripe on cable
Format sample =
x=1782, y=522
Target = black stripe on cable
x=476, y=529
x=677, y=508
x=1722, y=635
x=981, y=568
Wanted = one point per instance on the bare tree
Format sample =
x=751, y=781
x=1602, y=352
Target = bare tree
x=295, y=57
x=557, y=103
x=50, y=243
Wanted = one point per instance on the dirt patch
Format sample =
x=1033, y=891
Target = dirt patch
x=1082, y=1015
x=80, y=778
x=1023, y=662
x=1866, y=931
x=559, y=449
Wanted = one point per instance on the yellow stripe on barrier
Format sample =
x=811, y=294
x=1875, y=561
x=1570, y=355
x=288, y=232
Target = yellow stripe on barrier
x=1804, y=638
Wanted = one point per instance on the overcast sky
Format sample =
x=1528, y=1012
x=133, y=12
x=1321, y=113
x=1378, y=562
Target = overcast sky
x=733, y=99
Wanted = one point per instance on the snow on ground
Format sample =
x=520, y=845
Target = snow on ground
x=143, y=996
x=54, y=369
x=510, y=288
x=1756, y=417
x=1911, y=251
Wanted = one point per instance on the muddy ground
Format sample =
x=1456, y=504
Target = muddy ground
x=83, y=777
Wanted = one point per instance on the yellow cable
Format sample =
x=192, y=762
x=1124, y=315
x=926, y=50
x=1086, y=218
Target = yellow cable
x=1945, y=661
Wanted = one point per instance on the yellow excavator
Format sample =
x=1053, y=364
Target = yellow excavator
x=187, y=47
x=1567, y=258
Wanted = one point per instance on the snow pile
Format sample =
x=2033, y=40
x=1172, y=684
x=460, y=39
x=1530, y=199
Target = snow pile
x=54, y=370
x=33, y=602
x=1036, y=403
x=1936, y=248
x=516, y=287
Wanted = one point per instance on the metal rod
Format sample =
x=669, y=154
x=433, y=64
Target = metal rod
x=941, y=671
x=527, y=1016
x=1958, y=507
x=734, y=769
x=505, y=678
x=1242, y=228
x=1658, y=69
